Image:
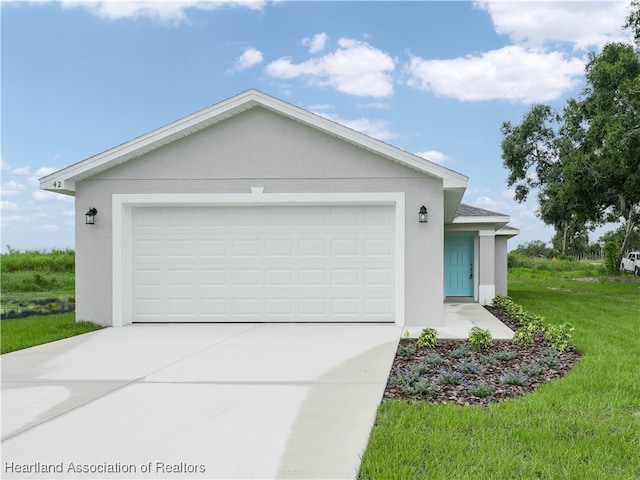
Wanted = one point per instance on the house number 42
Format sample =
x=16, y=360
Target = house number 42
x=57, y=184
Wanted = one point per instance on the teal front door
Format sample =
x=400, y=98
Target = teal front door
x=458, y=268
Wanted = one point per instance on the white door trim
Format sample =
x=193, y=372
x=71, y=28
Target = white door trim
x=121, y=215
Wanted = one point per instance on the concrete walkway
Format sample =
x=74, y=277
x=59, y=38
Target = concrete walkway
x=460, y=318
x=220, y=401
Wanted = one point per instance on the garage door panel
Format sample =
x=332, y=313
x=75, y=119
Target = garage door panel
x=311, y=277
x=344, y=248
x=378, y=307
x=215, y=277
x=279, y=247
x=280, y=306
x=246, y=307
x=279, y=278
x=214, y=307
x=378, y=247
x=345, y=278
x=305, y=263
x=378, y=277
x=345, y=306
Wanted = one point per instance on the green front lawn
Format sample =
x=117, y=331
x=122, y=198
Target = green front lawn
x=27, y=332
x=583, y=426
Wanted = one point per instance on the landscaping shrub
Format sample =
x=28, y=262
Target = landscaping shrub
x=559, y=335
x=428, y=338
x=523, y=337
x=479, y=338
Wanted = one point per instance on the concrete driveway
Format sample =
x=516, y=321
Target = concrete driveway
x=232, y=401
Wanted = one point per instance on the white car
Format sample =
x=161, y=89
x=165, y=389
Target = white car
x=631, y=263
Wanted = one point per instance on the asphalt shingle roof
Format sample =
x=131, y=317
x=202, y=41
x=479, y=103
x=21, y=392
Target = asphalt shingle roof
x=469, y=211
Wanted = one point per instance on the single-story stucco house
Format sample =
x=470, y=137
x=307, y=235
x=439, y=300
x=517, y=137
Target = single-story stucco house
x=255, y=210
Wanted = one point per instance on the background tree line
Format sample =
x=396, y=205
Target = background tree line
x=584, y=161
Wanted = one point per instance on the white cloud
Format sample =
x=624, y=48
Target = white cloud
x=584, y=24
x=173, y=12
x=317, y=43
x=354, y=68
x=8, y=206
x=376, y=105
x=373, y=128
x=434, y=156
x=320, y=106
x=513, y=73
x=47, y=227
x=4, y=165
x=12, y=188
x=509, y=194
x=490, y=204
x=21, y=171
x=34, y=179
x=250, y=58
x=10, y=220
x=44, y=171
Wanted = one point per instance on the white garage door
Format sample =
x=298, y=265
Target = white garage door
x=263, y=264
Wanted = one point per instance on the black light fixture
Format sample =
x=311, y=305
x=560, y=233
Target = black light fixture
x=423, y=215
x=91, y=216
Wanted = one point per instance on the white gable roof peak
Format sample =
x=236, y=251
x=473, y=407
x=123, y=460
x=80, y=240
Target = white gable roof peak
x=63, y=181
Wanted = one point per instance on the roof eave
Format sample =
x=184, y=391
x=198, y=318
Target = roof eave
x=498, y=221
x=508, y=232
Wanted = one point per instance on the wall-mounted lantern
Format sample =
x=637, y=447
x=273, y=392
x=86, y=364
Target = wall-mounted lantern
x=423, y=215
x=91, y=216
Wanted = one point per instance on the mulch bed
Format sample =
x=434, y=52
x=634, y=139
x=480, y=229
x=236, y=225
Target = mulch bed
x=422, y=373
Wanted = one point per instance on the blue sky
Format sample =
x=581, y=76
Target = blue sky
x=434, y=78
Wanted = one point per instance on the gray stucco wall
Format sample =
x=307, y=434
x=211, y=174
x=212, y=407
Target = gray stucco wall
x=501, y=265
x=261, y=149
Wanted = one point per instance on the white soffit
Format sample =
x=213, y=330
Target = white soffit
x=63, y=181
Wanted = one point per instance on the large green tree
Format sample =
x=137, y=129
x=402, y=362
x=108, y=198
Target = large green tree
x=541, y=155
x=611, y=148
x=585, y=161
x=633, y=21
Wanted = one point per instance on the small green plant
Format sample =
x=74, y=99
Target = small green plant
x=470, y=367
x=419, y=369
x=535, y=323
x=550, y=361
x=487, y=359
x=406, y=334
x=433, y=358
x=531, y=369
x=428, y=338
x=404, y=377
x=480, y=339
x=448, y=377
x=523, y=337
x=501, y=301
x=421, y=387
x=506, y=355
x=559, y=336
x=514, y=378
x=480, y=390
x=461, y=351
x=548, y=352
x=406, y=350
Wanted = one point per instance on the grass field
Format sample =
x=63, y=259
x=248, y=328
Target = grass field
x=29, y=277
x=38, y=281
x=28, y=332
x=583, y=426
